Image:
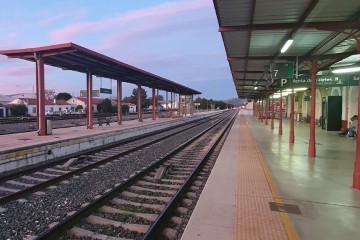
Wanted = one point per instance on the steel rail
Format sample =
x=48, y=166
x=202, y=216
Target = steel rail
x=155, y=227
x=68, y=222
x=52, y=181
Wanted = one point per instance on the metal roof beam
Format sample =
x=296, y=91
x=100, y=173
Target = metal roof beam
x=301, y=58
x=257, y=71
x=333, y=25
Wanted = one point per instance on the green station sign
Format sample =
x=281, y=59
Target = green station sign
x=321, y=81
x=282, y=70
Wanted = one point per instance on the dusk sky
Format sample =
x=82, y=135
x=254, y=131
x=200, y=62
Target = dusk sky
x=177, y=40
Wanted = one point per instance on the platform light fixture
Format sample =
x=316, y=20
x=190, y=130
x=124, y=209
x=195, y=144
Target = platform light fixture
x=348, y=69
x=255, y=88
x=295, y=90
x=287, y=45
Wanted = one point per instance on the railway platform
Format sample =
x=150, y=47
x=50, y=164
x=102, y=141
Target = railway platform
x=262, y=187
x=23, y=149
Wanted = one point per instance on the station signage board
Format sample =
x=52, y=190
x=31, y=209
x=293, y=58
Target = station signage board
x=321, y=81
x=95, y=93
x=282, y=70
x=105, y=90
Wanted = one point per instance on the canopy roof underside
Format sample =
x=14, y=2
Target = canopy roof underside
x=70, y=56
x=254, y=31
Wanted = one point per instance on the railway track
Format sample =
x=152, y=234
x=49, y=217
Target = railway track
x=140, y=207
x=19, y=184
x=28, y=124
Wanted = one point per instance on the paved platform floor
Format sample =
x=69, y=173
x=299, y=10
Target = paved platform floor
x=18, y=140
x=257, y=166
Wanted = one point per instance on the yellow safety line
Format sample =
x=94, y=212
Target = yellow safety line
x=285, y=218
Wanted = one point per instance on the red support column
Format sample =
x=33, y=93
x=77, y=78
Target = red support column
x=280, y=115
x=166, y=103
x=356, y=176
x=139, y=103
x=312, y=149
x=157, y=103
x=254, y=108
x=262, y=110
x=272, y=113
x=89, y=110
x=190, y=105
x=266, y=110
x=119, y=101
x=40, y=96
x=179, y=105
x=153, y=104
x=185, y=101
x=37, y=87
x=171, y=104
x=291, y=135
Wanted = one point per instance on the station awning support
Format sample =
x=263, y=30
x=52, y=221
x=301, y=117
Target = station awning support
x=40, y=95
x=312, y=148
x=89, y=110
x=119, y=102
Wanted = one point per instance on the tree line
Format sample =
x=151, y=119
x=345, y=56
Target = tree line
x=106, y=106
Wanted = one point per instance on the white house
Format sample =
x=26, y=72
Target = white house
x=76, y=101
x=50, y=105
x=167, y=105
x=132, y=107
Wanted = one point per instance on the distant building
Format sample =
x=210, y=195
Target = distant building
x=132, y=107
x=167, y=105
x=76, y=101
x=51, y=106
x=250, y=105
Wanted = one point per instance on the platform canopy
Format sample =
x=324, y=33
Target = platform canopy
x=254, y=31
x=70, y=56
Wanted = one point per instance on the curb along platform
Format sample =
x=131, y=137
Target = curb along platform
x=23, y=149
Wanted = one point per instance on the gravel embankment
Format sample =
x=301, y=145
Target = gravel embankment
x=33, y=216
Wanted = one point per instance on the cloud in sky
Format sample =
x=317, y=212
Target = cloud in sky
x=174, y=39
x=160, y=12
x=51, y=19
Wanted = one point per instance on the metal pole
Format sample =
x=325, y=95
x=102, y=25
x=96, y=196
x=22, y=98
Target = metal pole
x=171, y=104
x=157, y=103
x=356, y=176
x=40, y=92
x=291, y=135
x=262, y=110
x=254, y=108
x=119, y=101
x=89, y=100
x=280, y=115
x=167, y=108
x=266, y=110
x=272, y=113
x=179, y=105
x=139, y=103
x=153, y=104
x=292, y=112
x=312, y=149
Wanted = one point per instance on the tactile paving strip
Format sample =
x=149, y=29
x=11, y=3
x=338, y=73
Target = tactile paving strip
x=254, y=218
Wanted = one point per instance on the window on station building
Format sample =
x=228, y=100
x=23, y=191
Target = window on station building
x=34, y=110
x=51, y=109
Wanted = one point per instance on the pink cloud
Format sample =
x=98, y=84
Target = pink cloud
x=24, y=71
x=50, y=19
x=163, y=11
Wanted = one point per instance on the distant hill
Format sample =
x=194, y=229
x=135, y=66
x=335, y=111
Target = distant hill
x=235, y=101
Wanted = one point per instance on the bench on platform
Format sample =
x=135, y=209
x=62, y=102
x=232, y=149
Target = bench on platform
x=103, y=120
